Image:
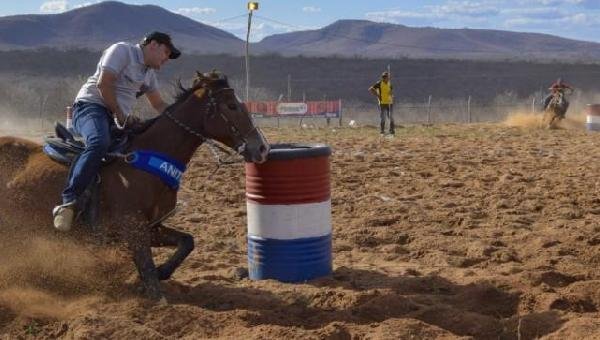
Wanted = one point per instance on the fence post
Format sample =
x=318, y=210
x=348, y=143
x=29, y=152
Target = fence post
x=469, y=110
x=43, y=101
x=429, y=110
x=289, y=88
x=341, y=112
x=533, y=105
x=304, y=101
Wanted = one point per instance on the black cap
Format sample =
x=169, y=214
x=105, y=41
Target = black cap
x=162, y=38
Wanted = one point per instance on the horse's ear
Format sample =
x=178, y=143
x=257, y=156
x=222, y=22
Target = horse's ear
x=199, y=75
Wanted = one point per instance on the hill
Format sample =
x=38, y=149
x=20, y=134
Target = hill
x=97, y=26
x=361, y=38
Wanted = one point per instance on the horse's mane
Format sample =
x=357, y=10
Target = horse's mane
x=183, y=93
x=218, y=81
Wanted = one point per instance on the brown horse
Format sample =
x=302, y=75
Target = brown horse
x=131, y=200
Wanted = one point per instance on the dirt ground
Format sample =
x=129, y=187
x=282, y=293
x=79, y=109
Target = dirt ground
x=484, y=231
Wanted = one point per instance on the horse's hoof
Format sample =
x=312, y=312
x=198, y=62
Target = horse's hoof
x=162, y=301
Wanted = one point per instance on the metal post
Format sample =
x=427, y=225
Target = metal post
x=248, y=56
x=533, y=105
x=341, y=112
x=289, y=95
x=429, y=110
x=43, y=101
x=469, y=110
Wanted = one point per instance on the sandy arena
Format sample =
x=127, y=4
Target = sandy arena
x=483, y=231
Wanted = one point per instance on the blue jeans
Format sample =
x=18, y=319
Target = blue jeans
x=92, y=122
x=386, y=113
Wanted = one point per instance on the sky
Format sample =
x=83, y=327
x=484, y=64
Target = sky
x=576, y=19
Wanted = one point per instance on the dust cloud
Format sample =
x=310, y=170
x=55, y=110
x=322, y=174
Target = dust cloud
x=57, y=278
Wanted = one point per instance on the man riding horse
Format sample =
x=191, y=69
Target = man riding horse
x=125, y=71
x=556, y=100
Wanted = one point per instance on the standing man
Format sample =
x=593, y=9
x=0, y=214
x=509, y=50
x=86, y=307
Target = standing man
x=125, y=71
x=383, y=90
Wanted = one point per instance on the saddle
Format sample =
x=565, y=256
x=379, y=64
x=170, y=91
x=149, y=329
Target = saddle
x=64, y=147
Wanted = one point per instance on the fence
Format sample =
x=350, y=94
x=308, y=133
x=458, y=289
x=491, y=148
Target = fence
x=466, y=110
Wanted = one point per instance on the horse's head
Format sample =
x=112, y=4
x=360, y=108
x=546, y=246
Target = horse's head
x=228, y=120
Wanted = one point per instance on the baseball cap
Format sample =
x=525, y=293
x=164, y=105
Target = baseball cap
x=162, y=38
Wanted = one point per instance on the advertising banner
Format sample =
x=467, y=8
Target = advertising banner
x=324, y=109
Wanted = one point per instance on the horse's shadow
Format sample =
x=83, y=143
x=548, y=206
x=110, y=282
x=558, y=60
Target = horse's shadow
x=357, y=296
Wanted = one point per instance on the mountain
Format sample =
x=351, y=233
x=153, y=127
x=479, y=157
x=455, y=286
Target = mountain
x=363, y=38
x=99, y=25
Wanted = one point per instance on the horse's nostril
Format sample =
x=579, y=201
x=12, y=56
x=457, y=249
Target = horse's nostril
x=262, y=149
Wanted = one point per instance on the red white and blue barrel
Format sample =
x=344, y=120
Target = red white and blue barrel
x=593, y=117
x=289, y=214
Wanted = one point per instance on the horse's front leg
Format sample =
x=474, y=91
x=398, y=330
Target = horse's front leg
x=166, y=237
x=142, y=256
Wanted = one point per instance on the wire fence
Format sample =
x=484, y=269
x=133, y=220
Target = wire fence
x=432, y=111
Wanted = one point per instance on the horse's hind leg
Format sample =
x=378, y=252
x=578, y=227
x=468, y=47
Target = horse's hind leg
x=167, y=237
x=142, y=256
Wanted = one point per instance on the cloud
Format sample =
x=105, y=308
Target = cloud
x=535, y=13
x=311, y=9
x=466, y=8
x=260, y=29
x=450, y=10
x=196, y=11
x=85, y=4
x=54, y=6
x=559, y=22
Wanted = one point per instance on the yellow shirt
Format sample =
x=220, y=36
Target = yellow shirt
x=385, y=92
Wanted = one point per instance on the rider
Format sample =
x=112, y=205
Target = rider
x=125, y=71
x=557, y=87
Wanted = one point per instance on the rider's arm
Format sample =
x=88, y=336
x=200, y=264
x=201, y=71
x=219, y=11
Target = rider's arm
x=374, y=90
x=113, y=61
x=156, y=101
x=107, y=85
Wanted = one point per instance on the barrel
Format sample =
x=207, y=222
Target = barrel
x=592, y=113
x=288, y=201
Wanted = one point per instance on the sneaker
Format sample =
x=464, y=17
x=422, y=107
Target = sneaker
x=63, y=216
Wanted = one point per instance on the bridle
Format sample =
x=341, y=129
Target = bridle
x=240, y=140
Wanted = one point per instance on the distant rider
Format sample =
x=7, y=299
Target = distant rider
x=558, y=87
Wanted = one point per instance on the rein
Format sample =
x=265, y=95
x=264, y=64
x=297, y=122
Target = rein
x=213, y=146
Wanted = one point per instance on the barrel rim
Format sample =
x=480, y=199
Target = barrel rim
x=289, y=151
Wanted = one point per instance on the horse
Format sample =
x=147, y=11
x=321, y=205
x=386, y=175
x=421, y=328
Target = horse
x=556, y=110
x=131, y=201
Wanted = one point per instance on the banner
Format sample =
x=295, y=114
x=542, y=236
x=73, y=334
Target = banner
x=324, y=109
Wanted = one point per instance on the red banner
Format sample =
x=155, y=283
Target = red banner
x=326, y=109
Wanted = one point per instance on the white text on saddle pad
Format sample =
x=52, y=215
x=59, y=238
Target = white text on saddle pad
x=170, y=170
